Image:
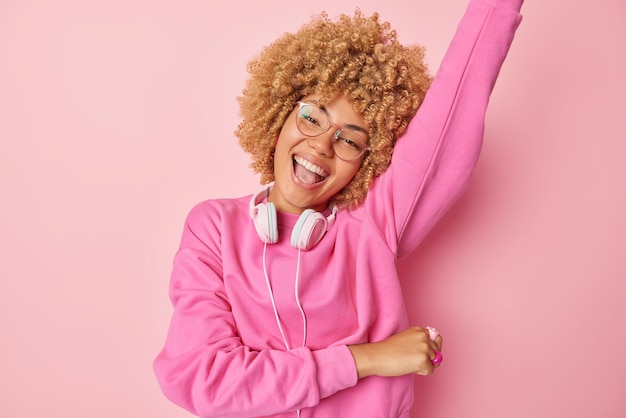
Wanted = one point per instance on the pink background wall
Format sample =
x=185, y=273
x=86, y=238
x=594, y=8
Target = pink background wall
x=117, y=116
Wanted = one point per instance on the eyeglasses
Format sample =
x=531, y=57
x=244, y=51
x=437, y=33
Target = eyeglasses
x=348, y=143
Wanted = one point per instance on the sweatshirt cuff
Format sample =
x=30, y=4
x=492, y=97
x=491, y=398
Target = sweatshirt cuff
x=335, y=370
x=515, y=5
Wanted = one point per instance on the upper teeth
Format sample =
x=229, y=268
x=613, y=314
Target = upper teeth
x=311, y=167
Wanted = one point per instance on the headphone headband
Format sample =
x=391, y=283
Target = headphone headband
x=307, y=232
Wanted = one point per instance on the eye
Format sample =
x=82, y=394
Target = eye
x=310, y=119
x=348, y=143
x=309, y=115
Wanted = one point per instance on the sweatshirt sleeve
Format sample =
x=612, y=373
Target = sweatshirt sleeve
x=434, y=159
x=204, y=367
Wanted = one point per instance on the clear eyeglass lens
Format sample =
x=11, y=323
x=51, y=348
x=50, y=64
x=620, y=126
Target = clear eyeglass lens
x=348, y=144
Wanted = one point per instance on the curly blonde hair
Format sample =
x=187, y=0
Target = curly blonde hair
x=358, y=57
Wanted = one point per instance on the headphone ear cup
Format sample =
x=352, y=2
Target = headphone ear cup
x=264, y=219
x=309, y=230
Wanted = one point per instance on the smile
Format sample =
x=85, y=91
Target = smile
x=307, y=172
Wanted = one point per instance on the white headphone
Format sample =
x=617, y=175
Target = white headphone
x=307, y=232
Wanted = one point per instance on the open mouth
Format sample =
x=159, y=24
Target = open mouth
x=307, y=172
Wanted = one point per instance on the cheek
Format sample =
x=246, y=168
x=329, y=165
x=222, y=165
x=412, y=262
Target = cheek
x=282, y=160
x=347, y=174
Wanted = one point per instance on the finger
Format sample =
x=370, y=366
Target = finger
x=426, y=367
x=436, y=344
x=439, y=342
x=432, y=333
x=435, y=337
x=436, y=359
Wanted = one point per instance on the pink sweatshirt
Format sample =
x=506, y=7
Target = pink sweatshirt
x=224, y=355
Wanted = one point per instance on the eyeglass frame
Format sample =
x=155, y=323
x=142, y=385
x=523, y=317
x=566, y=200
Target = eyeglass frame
x=335, y=136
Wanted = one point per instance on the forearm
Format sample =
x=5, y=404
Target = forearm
x=211, y=383
x=407, y=352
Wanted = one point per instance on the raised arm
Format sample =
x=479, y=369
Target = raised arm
x=434, y=159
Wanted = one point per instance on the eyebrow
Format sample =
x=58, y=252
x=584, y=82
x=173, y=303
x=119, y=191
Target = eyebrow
x=348, y=125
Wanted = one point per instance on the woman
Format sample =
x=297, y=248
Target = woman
x=287, y=302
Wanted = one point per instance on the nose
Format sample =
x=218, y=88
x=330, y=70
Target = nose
x=323, y=144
